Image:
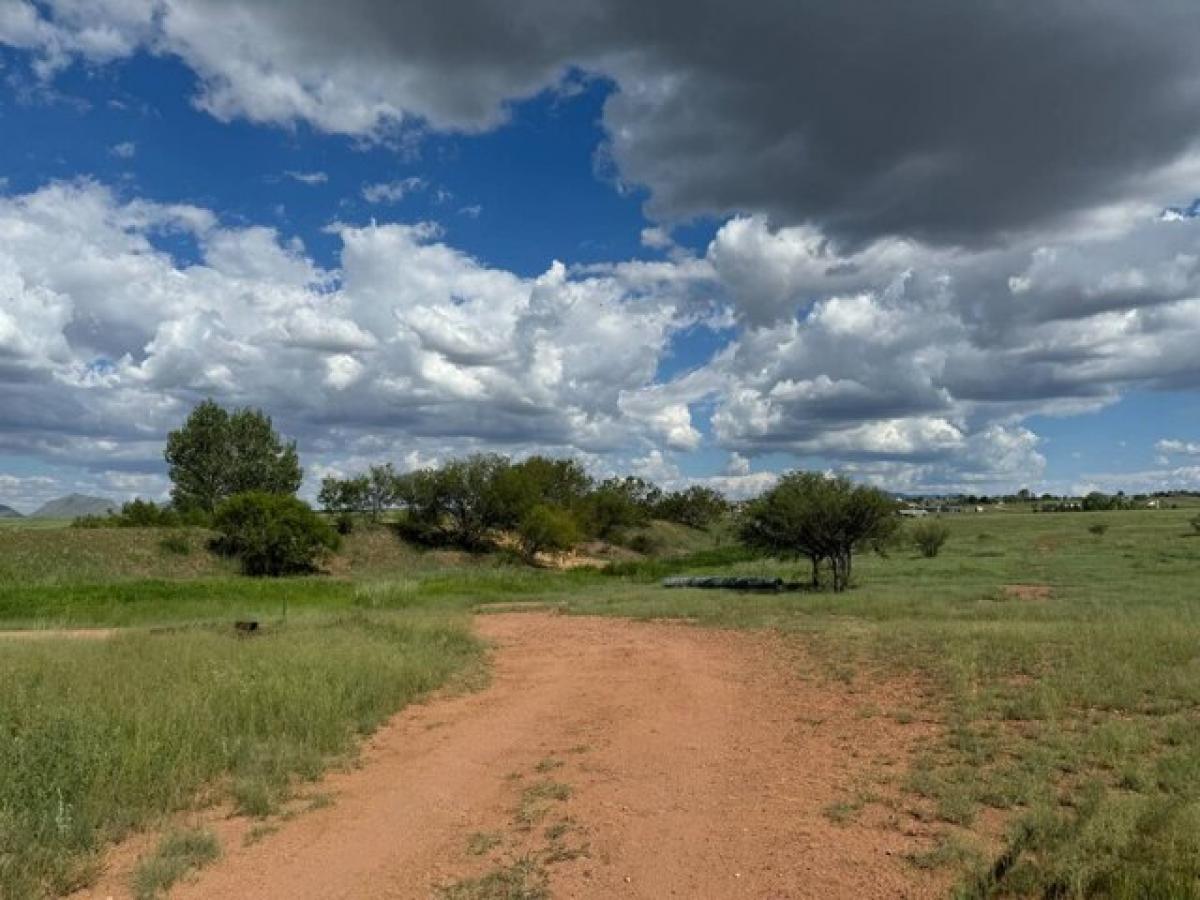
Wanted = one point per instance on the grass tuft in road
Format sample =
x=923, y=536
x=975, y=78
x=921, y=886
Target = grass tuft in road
x=524, y=879
x=537, y=799
x=179, y=853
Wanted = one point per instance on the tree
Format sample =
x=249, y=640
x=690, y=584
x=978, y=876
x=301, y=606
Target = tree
x=696, y=507
x=516, y=488
x=457, y=503
x=345, y=495
x=823, y=519
x=382, y=489
x=546, y=528
x=272, y=534
x=618, y=504
x=217, y=454
x=345, y=498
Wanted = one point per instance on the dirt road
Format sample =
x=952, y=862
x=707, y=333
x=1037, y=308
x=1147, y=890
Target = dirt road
x=619, y=759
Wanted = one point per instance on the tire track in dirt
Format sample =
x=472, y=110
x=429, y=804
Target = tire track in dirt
x=700, y=761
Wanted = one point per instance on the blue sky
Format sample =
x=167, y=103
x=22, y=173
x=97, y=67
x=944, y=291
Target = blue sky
x=625, y=248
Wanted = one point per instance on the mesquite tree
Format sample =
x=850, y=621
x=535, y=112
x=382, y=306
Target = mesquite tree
x=809, y=515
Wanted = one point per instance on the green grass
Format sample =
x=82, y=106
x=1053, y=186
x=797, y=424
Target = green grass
x=179, y=853
x=103, y=737
x=1075, y=712
x=64, y=556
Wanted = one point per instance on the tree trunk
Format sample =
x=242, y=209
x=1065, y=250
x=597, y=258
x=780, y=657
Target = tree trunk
x=841, y=570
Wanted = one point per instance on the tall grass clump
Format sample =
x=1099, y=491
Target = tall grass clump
x=929, y=537
x=98, y=738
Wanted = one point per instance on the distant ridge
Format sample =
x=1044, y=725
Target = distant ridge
x=74, y=505
x=7, y=512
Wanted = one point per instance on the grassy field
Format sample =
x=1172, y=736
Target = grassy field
x=101, y=737
x=1064, y=666
x=107, y=736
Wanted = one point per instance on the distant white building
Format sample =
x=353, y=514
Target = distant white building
x=914, y=513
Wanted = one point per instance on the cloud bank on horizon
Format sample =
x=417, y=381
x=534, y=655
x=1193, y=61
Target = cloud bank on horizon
x=902, y=241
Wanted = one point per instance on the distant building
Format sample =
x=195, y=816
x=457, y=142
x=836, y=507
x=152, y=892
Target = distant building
x=914, y=513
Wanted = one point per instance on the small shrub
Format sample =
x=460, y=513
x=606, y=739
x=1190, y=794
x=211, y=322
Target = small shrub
x=140, y=513
x=646, y=544
x=94, y=521
x=344, y=523
x=1195, y=520
x=547, y=528
x=929, y=536
x=1098, y=528
x=273, y=534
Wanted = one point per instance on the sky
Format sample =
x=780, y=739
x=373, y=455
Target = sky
x=936, y=247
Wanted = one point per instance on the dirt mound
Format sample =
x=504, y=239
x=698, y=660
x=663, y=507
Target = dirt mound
x=606, y=759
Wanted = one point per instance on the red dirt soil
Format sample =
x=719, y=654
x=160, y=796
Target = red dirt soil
x=701, y=764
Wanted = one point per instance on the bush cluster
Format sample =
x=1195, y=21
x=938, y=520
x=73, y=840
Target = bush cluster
x=272, y=534
x=463, y=502
x=146, y=514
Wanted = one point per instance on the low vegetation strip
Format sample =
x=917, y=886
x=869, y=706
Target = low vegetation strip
x=98, y=738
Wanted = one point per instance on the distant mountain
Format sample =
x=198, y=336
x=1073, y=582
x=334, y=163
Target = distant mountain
x=7, y=512
x=74, y=505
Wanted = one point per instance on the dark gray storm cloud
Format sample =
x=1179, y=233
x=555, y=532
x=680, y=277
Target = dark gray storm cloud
x=944, y=120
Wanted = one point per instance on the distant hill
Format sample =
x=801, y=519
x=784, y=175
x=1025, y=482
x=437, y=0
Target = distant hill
x=7, y=512
x=74, y=505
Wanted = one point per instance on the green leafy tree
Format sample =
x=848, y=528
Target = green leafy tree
x=547, y=528
x=538, y=480
x=697, y=507
x=272, y=534
x=345, y=498
x=807, y=515
x=382, y=489
x=217, y=454
x=345, y=495
x=618, y=504
x=456, y=504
